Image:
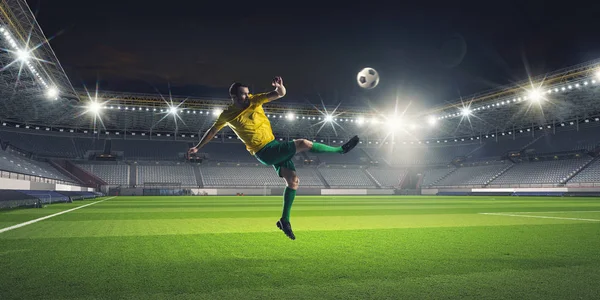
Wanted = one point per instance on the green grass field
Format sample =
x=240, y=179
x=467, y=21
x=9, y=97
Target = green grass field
x=346, y=248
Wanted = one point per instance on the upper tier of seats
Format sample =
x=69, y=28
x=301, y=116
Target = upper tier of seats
x=51, y=146
x=150, y=150
x=15, y=162
x=585, y=139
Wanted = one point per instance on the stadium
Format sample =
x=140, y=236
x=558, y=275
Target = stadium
x=492, y=196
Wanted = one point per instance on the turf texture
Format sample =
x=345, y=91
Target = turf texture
x=357, y=247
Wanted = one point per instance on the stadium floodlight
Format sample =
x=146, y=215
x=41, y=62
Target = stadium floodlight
x=328, y=118
x=431, y=120
x=217, y=111
x=173, y=110
x=535, y=95
x=597, y=74
x=466, y=111
x=94, y=107
x=23, y=55
x=394, y=123
x=360, y=120
x=289, y=116
x=52, y=93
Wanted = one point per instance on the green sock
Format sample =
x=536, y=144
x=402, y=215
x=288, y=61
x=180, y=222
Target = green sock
x=288, y=198
x=322, y=148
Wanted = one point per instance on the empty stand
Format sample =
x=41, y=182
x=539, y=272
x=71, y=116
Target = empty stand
x=388, y=177
x=43, y=145
x=113, y=174
x=261, y=176
x=543, y=172
x=183, y=174
x=341, y=177
x=475, y=175
x=586, y=139
x=227, y=152
x=151, y=150
x=432, y=176
x=355, y=157
x=16, y=162
x=591, y=174
x=404, y=155
x=240, y=177
x=493, y=148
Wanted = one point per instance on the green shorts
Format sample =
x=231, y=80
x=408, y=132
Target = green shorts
x=277, y=154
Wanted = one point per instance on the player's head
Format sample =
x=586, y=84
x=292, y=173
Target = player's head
x=239, y=92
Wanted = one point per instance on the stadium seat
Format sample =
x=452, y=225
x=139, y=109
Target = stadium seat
x=183, y=174
x=42, y=145
x=15, y=162
x=240, y=177
x=113, y=174
x=341, y=177
x=492, y=148
x=586, y=139
x=227, y=152
x=388, y=177
x=475, y=175
x=591, y=174
x=260, y=176
x=432, y=176
x=150, y=149
x=542, y=172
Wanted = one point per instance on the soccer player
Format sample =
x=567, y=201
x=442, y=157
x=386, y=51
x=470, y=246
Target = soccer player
x=246, y=117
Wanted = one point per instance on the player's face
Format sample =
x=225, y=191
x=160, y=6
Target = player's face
x=242, y=95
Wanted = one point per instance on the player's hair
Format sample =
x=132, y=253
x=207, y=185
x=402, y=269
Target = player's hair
x=233, y=89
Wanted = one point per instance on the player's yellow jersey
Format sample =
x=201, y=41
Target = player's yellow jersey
x=251, y=124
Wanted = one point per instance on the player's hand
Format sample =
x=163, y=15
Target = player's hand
x=192, y=150
x=277, y=82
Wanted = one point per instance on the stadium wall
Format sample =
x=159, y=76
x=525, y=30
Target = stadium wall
x=18, y=184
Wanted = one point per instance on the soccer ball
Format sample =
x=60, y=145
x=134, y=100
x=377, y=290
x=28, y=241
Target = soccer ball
x=367, y=78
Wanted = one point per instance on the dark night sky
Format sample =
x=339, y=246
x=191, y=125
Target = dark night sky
x=417, y=47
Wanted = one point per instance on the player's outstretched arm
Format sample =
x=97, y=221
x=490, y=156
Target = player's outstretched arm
x=207, y=137
x=279, y=91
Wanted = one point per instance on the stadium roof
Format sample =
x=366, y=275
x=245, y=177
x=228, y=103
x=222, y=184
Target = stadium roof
x=30, y=69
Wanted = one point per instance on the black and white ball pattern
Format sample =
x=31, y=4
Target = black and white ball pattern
x=367, y=78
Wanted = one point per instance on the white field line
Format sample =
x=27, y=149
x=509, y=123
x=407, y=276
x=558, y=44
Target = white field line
x=540, y=217
x=50, y=216
x=551, y=212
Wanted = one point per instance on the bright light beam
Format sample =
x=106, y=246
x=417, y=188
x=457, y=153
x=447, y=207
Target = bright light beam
x=23, y=55
x=535, y=95
x=327, y=117
x=466, y=111
x=431, y=120
x=94, y=107
x=52, y=93
x=173, y=109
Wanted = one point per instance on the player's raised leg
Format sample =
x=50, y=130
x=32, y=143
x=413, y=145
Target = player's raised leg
x=306, y=145
x=292, y=182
